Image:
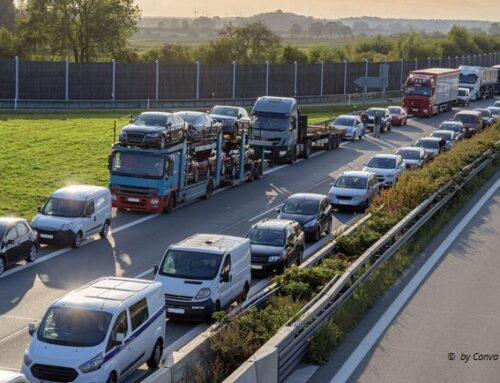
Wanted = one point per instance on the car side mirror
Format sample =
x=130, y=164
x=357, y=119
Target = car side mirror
x=31, y=328
x=225, y=277
x=119, y=339
x=131, y=121
x=278, y=210
x=39, y=209
x=156, y=269
x=240, y=115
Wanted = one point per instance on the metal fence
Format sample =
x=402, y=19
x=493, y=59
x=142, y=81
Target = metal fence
x=113, y=82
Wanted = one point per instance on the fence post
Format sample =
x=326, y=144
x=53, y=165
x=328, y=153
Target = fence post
x=366, y=76
x=428, y=62
x=157, y=80
x=322, y=77
x=16, y=97
x=416, y=63
x=345, y=77
x=66, y=80
x=113, y=84
x=440, y=62
x=295, y=79
x=234, y=79
x=197, y=80
x=449, y=61
x=267, y=78
x=402, y=74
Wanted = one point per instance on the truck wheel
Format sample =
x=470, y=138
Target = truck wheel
x=307, y=150
x=209, y=189
x=170, y=204
x=329, y=145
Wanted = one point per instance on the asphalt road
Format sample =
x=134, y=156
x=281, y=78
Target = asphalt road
x=138, y=241
x=440, y=322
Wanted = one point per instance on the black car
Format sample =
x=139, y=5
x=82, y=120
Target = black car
x=18, y=242
x=312, y=211
x=276, y=244
x=455, y=126
x=154, y=130
x=232, y=118
x=487, y=117
x=200, y=126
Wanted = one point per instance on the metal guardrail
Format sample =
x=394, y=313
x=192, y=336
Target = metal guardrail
x=292, y=348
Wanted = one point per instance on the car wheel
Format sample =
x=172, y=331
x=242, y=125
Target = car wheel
x=155, y=359
x=163, y=142
x=105, y=230
x=33, y=253
x=2, y=265
x=196, y=174
x=78, y=240
x=112, y=378
x=244, y=295
x=329, y=227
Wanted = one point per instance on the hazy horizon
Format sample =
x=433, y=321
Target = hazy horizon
x=409, y=9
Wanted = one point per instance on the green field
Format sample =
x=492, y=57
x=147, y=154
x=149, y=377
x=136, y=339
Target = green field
x=41, y=152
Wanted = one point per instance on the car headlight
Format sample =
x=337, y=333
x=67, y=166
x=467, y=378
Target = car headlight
x=390, y=175
x=34, y=222
x=153, y=135
x=93, y=364
x=65, y=226
x=274, y=258
x=26, y=359
x=311, y=223
x=203, y=293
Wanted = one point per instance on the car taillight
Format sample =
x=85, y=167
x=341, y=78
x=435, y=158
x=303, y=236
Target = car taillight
x=36, y=234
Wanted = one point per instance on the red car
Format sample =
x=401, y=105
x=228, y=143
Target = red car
x=398, y=115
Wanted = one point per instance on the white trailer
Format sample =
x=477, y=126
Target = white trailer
x=480, y=81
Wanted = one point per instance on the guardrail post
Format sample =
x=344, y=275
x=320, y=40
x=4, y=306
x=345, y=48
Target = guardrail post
x=416, y=63
x=113, y=84
x=157, y=80
x=322, y=77
x=267, y=78
x=234, y=79
x=242, y=155
x=402, y=74
x=197, y=80
x=66, y=80
x=16, y=96
x=345, y=77
x=295, y=78
x=366, y=76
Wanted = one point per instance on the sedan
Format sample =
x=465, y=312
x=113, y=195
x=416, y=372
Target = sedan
x=487, y=117
x=18, y=242
x=312, y=211
x=414, y=157
x=446, y=135
x=387, y=167
x=354, y=189
x=200, y=126
x=398, y=115
x=432, y=145
x=495, y=112
x=455, y=126
x=232, y=118
x=350, y=125
x=385, y=119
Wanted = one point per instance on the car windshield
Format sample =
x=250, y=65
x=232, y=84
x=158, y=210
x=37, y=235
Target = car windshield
x=60, y=207
x=428, y=144
x=409, y=154
x=343, y=121
x=395, y=110
x=190, y=265
x=382, y=163
x=468, y=78
x=495, y=111
x=151, y=120
x=466, y=118
x=224, y=111
x=301, y=206
x=351, y=182
x=192, y=119
x=74, y=327
x=418, y=90
x=138, y=165
x=485, y=113
x=266, y=237
x=376, y=112
x=270, y=123
x=450, y=126
x=446, y=136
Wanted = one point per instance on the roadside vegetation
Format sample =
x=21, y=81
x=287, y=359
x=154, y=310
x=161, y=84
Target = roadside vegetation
x=231, y=346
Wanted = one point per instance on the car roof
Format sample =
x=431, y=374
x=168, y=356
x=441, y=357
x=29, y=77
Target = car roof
x=451, y=122
x=227, y=106
x=189, y=113
x=469, y=112
x=390, y=156
x=412, y=148
x=481, y=109
x=378, y=109
x=357, y=173
x=156, y=113
x=443, y=131
x=10, y=220
x=395, y=106
x=309, y=196
x=274, y=224
x=430, y=139
x=351, y=116
x=78, y=192
x=494, y=108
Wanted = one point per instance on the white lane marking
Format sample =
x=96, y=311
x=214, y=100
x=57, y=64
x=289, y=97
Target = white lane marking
x=265, y=212
x=357, y=356
x=140, y=275
x=13, y=334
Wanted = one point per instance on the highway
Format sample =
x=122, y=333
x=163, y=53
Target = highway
x=138, y=241
x=439, y=323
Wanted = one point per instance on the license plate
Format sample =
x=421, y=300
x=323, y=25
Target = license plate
x=415, y=110
x=173, y=310
x=48, y=236
x=133, y=199
x=256, y=267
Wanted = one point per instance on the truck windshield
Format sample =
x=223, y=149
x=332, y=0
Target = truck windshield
x=350, y=182
x=74, y=327
x=133, y=164
x=468, y=78
x=266, y=237
x=151, y=120
x=382, y=163
x=418, y=90
x=271, y=123
x=59, y=207
x=190, y=265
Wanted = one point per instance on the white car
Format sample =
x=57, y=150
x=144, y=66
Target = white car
x=203, y=274
x=496, y=104
x=387, y=167
x=464, y=96
x=12, y=377
x=354, y=189
x=101, y=332
x=413, y=156
x=351, y=125
x=72, y=214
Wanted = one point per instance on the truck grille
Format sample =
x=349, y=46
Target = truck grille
x=53, y=373
x=174, y=297
x=134, y=190
x=135, y=138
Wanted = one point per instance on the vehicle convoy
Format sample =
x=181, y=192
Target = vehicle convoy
x=463, y=97
x=276, y=244
x=18, y=242
x=430, y=91
x=455, y=126
x=281, y=132
x=472, y=120
x=72, y=214
x=481, y=81
x=312, y=211
x=385, y=119
x=233, y=118
x=153, y=129
x=433, y=146
x=101, y=332
x=203, y=274
x=398, y=115
x=413, y=156
x=354, y=189
x=387, y=167
x=351, y=125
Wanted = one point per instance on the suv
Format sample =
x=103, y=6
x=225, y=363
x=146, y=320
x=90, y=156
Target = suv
x=472, y=121
x=153, y=129
x=17, y=242
x=232, y=118
x=385, y=116
x=354, y=189
x=276, y=244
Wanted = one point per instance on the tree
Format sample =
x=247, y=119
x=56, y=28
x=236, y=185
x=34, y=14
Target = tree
x=296, y=30
x=7, y=44
x=291, y=54
x=7, y=14
x=317, y=29
x=88, y=29
x=494, y=29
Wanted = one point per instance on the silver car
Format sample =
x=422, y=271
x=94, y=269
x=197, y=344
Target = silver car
x=455, y=126
x=387, y=167
x=432, y=145
x=495, y=112
x=413, y=156
x=351, y=126
x=446, y=135
x=354, y=189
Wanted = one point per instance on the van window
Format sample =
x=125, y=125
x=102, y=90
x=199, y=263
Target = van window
x=226, y=267
x=120, y=326
x=100, y=202
x=21, y=229
x=139, y=313
x=89, y=209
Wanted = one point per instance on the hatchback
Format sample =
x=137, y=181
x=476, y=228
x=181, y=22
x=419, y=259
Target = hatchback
x=18, y=241
x=354, y=189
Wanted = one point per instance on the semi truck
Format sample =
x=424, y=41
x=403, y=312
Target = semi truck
x=481, y=81
x=431, y=91
x=280, y=133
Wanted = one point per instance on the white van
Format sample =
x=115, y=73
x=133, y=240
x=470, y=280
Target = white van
x=203, y=274
x=74, y=213
x=99, y=333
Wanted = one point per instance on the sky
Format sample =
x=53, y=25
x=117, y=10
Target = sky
x=332, y=9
